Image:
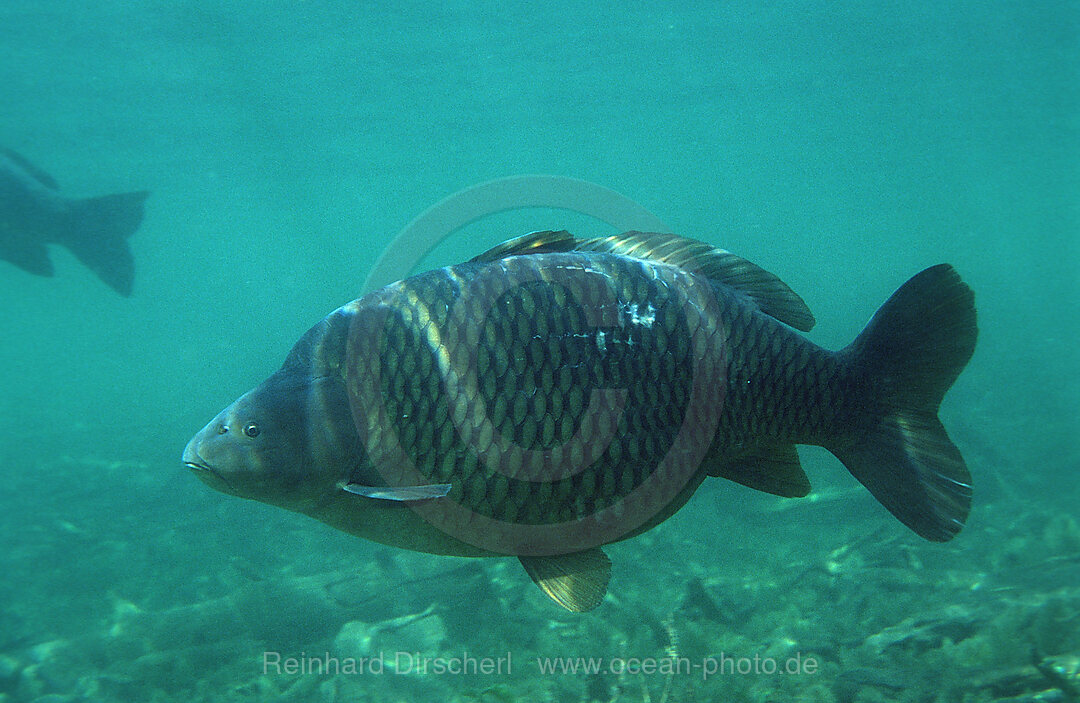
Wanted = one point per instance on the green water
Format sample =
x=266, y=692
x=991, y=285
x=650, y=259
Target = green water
x=842, y=146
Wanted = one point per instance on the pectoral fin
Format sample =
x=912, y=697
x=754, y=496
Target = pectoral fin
x=577, y=582
x=400, y=493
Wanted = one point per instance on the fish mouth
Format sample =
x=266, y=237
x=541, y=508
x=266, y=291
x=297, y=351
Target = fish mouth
x=201, y=469
x=199, y=466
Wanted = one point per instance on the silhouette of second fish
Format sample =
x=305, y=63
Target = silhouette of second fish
x=34, y=214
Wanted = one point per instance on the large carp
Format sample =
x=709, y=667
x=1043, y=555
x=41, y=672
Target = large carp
x=555, y=394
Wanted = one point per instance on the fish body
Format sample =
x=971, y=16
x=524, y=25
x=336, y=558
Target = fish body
x=34, y=214
x=556, y=394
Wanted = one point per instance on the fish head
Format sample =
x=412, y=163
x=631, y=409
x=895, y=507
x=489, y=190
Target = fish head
x=286, y=442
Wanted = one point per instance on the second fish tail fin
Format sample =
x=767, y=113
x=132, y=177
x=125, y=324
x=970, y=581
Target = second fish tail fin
x=100, y=228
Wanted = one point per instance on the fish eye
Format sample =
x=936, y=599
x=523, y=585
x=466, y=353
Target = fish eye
x=251, y=429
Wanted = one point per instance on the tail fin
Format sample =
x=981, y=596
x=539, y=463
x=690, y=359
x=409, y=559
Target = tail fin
x=100, y=229
x=910, y=353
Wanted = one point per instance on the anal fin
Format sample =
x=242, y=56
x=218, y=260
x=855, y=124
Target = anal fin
x=774, y=469
x=577, y=582
x=31, y=257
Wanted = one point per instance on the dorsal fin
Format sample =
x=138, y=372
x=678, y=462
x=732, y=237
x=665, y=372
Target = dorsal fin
x=38, y=175
x=543, y=242
x=771, y=295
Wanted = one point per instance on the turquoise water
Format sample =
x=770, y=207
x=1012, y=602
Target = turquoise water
x=842, y=146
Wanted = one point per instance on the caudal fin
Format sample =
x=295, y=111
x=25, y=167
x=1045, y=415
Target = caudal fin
x=910, y=353
x=99, y=232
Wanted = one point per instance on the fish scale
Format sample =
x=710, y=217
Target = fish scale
x=534, y=388
x=772, y=384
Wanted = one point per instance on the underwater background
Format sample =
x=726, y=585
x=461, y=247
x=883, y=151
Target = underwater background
x=843, y=146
